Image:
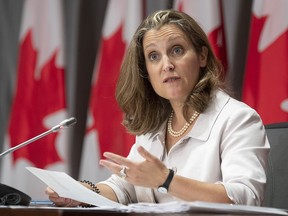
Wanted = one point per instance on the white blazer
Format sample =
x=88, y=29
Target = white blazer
x=227, y=145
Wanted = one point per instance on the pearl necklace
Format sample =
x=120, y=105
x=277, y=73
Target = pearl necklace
x=184, y=128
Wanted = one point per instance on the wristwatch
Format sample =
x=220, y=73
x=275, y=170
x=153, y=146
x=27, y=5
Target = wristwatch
x=164, y=188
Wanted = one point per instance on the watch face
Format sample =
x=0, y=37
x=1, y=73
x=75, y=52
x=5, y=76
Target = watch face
x=162, y=189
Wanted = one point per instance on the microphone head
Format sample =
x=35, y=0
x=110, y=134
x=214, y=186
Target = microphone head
x=68, y=122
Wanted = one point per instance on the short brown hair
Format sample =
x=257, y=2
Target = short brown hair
x=144, y=110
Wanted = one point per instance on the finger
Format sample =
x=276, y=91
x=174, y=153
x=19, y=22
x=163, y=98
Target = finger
x=58, y=201
x=118, y=159
x=71, y=203
x=120, y=170
x=68, y=202
x=145, y=154
x=64, y=202
x=113, y=167
x=74, y=203
x=50, y=192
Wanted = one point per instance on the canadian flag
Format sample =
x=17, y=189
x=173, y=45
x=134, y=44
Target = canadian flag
x=266, y=77
x=104, y=129
x=208, y=14
x=39, y=100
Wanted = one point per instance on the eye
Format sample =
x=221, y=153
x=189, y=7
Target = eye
x=153, y=56
x=177, y=50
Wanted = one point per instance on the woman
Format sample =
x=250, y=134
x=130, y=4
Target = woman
x=193, y=141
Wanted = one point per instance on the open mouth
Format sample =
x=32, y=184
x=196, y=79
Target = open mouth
x=171, y=79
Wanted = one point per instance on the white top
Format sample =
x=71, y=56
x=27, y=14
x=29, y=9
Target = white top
x=227, y=145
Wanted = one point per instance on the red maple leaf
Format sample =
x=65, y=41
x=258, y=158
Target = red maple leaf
x=35, y=99
x=266, y=68
x=106, y=113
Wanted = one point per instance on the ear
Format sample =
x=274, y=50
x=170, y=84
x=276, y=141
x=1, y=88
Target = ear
x=203, y=57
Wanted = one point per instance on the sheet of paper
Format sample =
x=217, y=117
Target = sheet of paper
x=241, y=209
x=68, y=187
x=203, y=207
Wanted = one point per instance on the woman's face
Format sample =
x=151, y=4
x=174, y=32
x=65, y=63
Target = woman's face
x=173, y=65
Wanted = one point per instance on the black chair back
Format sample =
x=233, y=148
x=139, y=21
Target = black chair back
x=276, y=194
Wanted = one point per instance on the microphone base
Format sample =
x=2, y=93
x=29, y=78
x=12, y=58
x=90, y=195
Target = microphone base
x=12, y=196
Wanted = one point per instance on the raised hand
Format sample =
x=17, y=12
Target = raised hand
x=150, y=172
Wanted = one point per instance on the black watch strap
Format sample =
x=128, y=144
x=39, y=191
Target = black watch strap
x=167, y=182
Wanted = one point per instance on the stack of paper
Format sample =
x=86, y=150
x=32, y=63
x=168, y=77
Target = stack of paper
x=204, y=207
x=67, y=187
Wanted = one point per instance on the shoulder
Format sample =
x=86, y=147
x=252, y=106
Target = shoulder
x=231, y=106
x=224, y=114
x=238, y=116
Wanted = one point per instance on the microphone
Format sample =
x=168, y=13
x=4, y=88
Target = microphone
x=12, y=196
x=63, y=124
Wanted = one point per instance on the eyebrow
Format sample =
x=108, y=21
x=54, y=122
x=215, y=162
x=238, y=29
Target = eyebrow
x=171, y=38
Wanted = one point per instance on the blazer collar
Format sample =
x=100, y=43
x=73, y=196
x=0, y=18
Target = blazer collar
x=206, y=120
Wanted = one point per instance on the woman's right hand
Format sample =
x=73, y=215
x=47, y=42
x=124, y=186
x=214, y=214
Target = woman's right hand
x=60, y=201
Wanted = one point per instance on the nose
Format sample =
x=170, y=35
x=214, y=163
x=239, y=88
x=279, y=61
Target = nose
x=167, y=64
